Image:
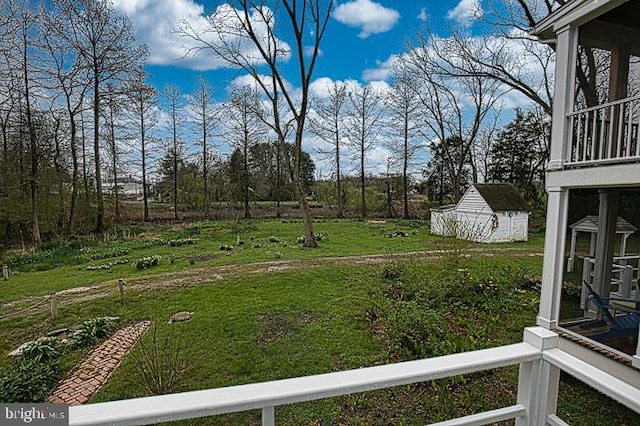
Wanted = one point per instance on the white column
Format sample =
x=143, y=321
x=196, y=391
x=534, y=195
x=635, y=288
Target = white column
x=566, y=60
x=538, y=380
x=608, y=200
x=572, y=252
x=554, y=245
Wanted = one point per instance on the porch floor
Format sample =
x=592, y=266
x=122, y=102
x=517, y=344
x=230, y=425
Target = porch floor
x=618, y=347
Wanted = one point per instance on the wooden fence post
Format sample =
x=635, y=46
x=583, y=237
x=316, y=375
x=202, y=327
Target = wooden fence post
x=54, y=306
x=5, y=272
x=121, y=284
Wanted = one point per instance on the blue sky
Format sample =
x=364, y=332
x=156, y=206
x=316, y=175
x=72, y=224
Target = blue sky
x=361, y=39
x=361, y=36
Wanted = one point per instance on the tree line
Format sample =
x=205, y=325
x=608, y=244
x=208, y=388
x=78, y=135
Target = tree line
x=77, y=116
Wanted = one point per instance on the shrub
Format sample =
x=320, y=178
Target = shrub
x=42, y=350
x=112, y=252
x=226, y=247
x=274, y=239
x=398, y=233
x=318, y=236
x=147, y=262
x=445, y=310
x=92, y=331
x=28, y=380
x=182, y=241
x=162, y=359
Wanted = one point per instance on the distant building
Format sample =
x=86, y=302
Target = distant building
x=488, y=213
x=129, y=188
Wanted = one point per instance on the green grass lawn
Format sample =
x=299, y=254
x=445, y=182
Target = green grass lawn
x=340, y=238
x=303, y=321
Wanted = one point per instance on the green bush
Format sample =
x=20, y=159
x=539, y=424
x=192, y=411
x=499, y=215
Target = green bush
x=42, y=350
x=29, y=380
x=147, y=262
x=442, y=311
x=109, y=253
x=92, y=331
x=182, y=241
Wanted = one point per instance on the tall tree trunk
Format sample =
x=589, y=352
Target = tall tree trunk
x=278, y=177
x=175, y=182
x=175, y=160
x=85, y=174
x=205, y=182
x=245, y=172
x=59, y=174
x=96, y=149
x=339, y=197
x=114, y=162
x=363, y=198
x=33, y=146
x=73, y=203
x=405, y=166
x=307, y=219
x=145, y=199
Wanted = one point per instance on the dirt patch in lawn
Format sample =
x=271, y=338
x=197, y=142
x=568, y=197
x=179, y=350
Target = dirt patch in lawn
x=201, y=258
x=277, y=326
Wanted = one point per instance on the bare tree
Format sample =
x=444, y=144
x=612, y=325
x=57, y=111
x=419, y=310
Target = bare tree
x=22, y=32
x=327, y=125
x=205, y=117
x=143, y=117
x=103, y=39
x=244, y=34
x=173, y=99
x=72, y=83
x=365, y=122
x=457, y=107
x=245, y=129
x=404, y=110
x=113, y=107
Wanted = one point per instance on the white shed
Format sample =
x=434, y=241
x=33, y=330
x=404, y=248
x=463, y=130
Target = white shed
x=443, y=220
x=492, y=213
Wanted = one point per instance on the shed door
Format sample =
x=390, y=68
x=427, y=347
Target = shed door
x=520, y=229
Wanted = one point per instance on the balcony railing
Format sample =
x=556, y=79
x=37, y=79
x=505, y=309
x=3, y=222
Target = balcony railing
x=538, y=357
x=605, y=133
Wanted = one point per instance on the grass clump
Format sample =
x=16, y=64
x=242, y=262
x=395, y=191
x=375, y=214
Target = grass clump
x=147, y=262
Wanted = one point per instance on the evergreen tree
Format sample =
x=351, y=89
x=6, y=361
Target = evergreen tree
x=520, y=152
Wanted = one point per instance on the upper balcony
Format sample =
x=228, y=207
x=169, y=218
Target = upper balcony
x=596, y=108
x=604, y=134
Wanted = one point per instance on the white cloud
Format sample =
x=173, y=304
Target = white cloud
x=308, y=51
x=369, y=16
x=382, y=71
x=423, y=15
x=319, y=88
x=155, y=22
x=466, y=12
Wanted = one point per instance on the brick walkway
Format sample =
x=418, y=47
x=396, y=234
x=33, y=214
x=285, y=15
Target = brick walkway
x=93, y=372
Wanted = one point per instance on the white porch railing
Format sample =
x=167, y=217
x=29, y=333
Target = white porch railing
x=605, y=133
x=539, y=359
x=625, y=276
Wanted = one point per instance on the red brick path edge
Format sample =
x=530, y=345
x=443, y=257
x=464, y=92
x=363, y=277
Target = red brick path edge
x=93, y=372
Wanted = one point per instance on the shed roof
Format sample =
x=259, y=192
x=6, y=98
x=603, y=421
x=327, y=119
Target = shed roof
x=590, y=224
x=501, y=197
